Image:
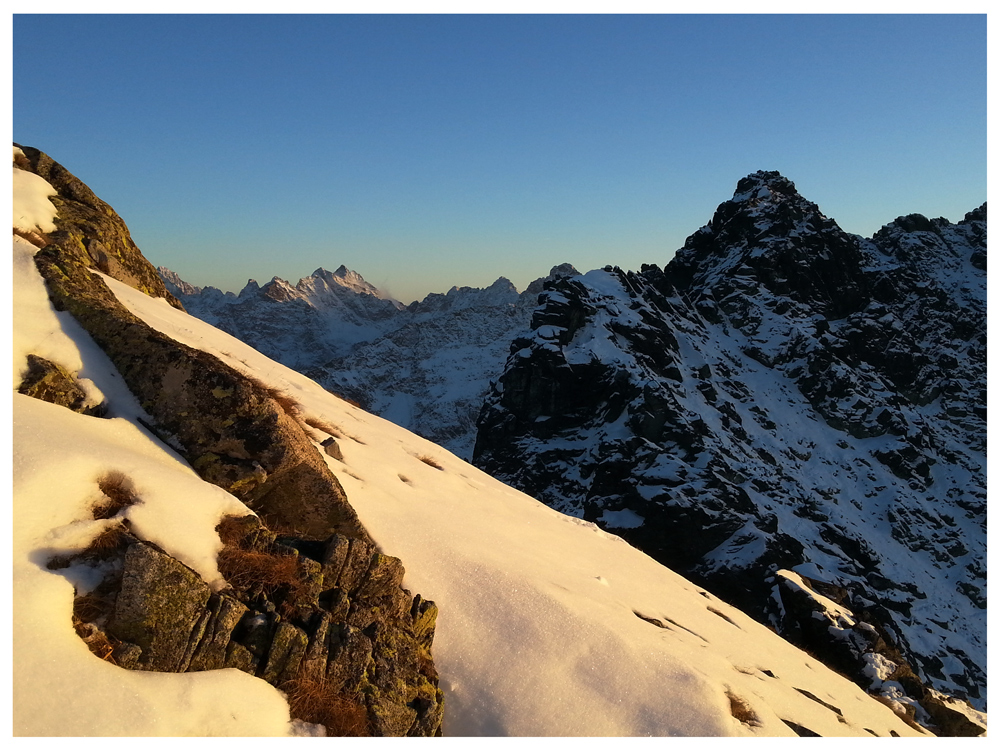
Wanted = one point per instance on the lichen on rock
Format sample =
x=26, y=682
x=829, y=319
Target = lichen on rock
x=51, y=382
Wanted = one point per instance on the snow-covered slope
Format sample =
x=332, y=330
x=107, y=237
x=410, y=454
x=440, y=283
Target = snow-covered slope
x=782, y=395
x=426, y=367
x=548, y=625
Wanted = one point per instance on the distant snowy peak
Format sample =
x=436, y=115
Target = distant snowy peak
x=498, y=294
x=322, y=283
x=175, y=284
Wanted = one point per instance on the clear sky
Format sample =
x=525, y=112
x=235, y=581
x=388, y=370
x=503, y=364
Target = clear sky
x=432, y=151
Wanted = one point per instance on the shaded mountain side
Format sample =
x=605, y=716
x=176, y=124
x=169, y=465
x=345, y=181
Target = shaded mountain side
x=782, y=395
x=234, y=431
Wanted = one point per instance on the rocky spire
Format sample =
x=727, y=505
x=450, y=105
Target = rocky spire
x=767, y=235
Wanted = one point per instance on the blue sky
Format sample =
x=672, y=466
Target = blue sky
x=432, y=151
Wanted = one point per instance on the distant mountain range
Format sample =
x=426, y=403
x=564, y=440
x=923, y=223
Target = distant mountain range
x=426, y=367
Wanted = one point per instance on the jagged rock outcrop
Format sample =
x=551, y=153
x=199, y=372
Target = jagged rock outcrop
x=94, y=230
x=297, y=614
x=242, y=436
x=781, y=395
x=51, y=382
x=426, y=367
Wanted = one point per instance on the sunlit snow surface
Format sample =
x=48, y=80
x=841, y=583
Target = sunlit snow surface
x=538, y=632
x=33, y=211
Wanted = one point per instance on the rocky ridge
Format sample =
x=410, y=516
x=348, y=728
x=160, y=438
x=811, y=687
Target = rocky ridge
x=249, y=440
x=783, y=395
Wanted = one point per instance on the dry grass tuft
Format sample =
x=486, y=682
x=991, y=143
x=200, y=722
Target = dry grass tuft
x=351, y=401
x=21, y=161
x=431, y=462
x=741, y=710
x=316, y=703
x=119, y=493
x=251, y=569
x=289, y=405
x=714, y=611
x=322, y=426
x=97, y=641
x=36, y=238
x=110, y=542
x=236, y=530
x=91, y=607
x=275, y=574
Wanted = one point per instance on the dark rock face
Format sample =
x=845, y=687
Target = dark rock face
x=160, y=603
x=781, y=395
x=231, y=429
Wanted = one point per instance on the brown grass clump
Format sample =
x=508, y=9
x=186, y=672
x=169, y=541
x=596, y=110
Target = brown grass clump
x=97, y=641
x=289, y=405
x=741, y=710
x=119, y=493
x=36, y=238
x=91, y=607
x=108, y=543
x=316, y=703
x=21, y=161
x=235, y=530
x=351, y=401
x=249, y=563
x=431, y=462
x=322, y=426
x=247, y=569
x=714, y=611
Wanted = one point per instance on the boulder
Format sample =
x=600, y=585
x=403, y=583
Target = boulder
x=160, y=603
x=48, y=381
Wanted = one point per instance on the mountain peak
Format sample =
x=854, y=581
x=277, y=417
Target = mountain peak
x=252, y=287
x=762, y=185
x=768, y=235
